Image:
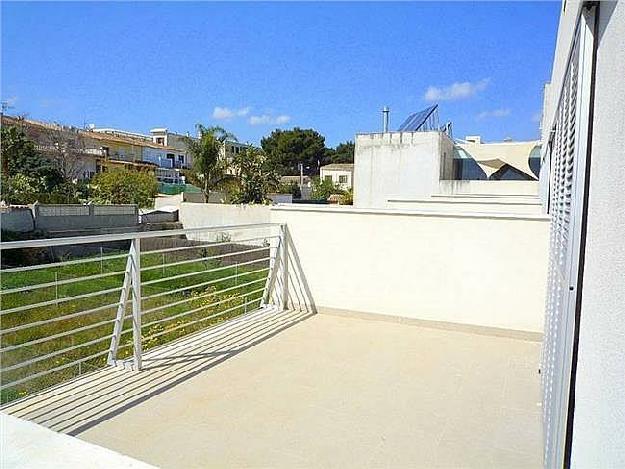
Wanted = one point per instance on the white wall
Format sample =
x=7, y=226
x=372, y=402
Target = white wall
x=405, y=164
x=461, y=268
x=599, y=419
x=508, y=188
x=455, y=204
x=194, y=215
x=336, y=174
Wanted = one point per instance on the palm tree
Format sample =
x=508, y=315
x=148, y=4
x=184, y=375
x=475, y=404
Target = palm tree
x=210, y=167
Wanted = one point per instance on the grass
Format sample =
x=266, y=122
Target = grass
x=224, y=290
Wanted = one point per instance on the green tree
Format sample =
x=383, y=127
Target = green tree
x=256, y=177
x=286, y=149
x=324, y=188
x=124, y=187
x=290, y=188
x=27, y=176
x=19, y=156
x=343, y=153
x=210, y=168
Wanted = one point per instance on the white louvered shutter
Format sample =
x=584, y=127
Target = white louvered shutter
x=568, y=147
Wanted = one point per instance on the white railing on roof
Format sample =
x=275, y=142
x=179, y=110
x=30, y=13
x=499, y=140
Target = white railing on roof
x=86, y=309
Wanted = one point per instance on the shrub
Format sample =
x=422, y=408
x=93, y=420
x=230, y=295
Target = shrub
x=124, y=187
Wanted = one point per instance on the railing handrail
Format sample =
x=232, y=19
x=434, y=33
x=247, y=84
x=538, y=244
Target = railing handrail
x=87, y=239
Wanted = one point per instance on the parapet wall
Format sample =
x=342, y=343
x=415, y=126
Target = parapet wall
x=478, y=269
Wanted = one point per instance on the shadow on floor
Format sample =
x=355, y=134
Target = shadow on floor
x=80, y=404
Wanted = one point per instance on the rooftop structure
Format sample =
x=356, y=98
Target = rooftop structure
x=424, y=120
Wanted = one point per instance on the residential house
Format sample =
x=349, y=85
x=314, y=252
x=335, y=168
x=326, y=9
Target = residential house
x=340, y=174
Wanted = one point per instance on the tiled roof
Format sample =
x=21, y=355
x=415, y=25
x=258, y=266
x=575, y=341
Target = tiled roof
x=339, y=166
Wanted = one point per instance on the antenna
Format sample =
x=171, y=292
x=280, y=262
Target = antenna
x=385, y=118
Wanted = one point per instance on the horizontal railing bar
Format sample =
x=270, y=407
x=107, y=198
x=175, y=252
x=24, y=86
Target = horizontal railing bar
x=56, y=336
x=52, y=370
x=61, y=318
x=63, y=263
x=33, y=243
x=221, y=313
x=216, y=269
x=59, y=300
x=32, y=361
x=200, y=259
x=210, y=282
x=201, y=246
x=193, y=298
x=60, y=282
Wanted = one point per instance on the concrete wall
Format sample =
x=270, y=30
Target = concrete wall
x=599, y=421
x=281, y=198
x=168, y=200
x=397, y=164
x=18, y=219
x=460, y=268
x=456, y=204
x=508, y=188
x=193, y=215
x=81, y=217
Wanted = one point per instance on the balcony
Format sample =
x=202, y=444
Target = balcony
x=238, y=367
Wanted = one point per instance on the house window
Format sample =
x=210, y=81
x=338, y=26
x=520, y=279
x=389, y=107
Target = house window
x=181, y=159
x=160, y=140
x=328, y=178
x=343, y=179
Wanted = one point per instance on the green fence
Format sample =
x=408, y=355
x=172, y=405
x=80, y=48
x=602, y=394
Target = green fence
x=173, y=189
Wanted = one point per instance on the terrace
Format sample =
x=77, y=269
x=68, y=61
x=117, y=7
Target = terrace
x=207, y=347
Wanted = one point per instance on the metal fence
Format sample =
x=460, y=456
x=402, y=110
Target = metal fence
x=62, y=317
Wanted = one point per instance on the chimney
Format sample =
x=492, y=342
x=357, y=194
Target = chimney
x=385, y=116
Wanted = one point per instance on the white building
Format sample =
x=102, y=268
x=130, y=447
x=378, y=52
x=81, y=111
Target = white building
x=400, y=165
x=404, y=167
x=340, y=174
x=583, y=370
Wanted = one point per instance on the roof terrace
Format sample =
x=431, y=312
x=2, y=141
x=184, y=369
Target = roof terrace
x=206, y=348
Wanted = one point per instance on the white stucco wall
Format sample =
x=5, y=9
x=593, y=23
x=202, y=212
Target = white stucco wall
x=599, y=419
x=470, y=204
x=195, y=215
x=404, y=164
x=460, y=268
x=508, y=188
x=476, y=269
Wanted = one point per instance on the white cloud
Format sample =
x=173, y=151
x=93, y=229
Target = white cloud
x=495, y=113
x=267, y=119
x=457, y=90
x=226, y=113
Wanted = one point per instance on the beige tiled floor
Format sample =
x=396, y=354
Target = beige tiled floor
x=327, y=392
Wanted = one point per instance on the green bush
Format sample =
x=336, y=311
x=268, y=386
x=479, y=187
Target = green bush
x=322, y=189
x=124, y=187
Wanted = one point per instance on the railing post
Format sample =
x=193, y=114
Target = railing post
x=284, y=234
x=135, y=257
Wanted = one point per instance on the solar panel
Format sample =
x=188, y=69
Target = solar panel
x=415, y=121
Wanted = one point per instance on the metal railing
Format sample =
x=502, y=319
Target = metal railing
x=67, y=307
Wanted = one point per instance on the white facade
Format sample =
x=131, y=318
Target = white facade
x=585, y=427
x=341, y=175
x=399, y=165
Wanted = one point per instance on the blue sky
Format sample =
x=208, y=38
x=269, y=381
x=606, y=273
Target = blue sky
x=252, y=67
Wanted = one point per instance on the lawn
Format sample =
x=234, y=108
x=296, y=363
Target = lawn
x=179, y=299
